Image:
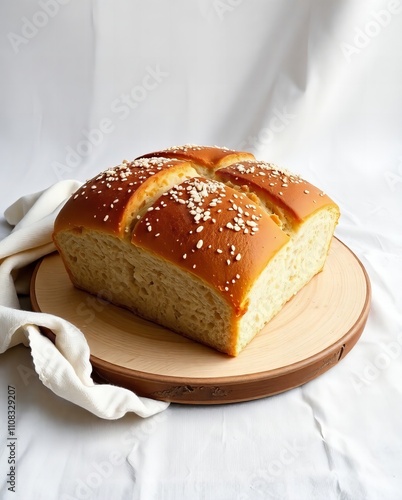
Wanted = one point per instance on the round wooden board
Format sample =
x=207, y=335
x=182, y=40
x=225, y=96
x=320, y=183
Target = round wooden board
x=311, y=334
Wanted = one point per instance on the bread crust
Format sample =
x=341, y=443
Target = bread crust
x=219, y=215
x=279, y=189
x=213, y=232
x=106, y=201
x=209, y=157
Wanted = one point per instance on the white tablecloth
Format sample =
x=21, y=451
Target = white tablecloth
x=315, y=86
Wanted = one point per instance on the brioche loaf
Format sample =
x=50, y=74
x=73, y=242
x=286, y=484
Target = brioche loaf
x=206, y=241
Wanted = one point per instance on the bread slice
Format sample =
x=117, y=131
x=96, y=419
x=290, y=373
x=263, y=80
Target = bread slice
x=206, y=241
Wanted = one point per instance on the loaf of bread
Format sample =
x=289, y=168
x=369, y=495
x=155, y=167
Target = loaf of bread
x=206, y=241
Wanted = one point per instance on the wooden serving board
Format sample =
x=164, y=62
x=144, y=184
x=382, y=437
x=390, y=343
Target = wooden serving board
x=316, y=329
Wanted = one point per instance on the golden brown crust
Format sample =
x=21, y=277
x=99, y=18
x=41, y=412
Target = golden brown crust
x=277, y=187
x=210, y=157
x=213, y=232
x=106, y=201
x=202, y=225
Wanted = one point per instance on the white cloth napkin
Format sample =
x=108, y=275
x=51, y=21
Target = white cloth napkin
x=63, y=367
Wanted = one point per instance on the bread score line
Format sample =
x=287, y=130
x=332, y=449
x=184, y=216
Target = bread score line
x=206, y=241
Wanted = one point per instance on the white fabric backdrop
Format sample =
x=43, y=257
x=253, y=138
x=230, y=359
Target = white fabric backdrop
x=315, y=86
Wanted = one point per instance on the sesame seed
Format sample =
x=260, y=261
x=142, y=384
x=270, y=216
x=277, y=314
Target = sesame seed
x=185, y=256
x=105, y=218
x=238, y=256
x=199, y=229
x=200, y=243
x=306, y=191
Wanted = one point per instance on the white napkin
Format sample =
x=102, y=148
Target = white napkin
x=63, y=367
